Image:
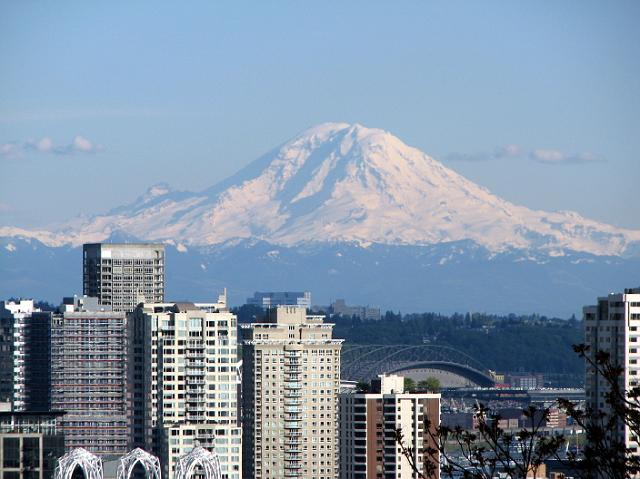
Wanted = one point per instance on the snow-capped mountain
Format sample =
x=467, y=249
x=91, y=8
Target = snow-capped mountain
x=343, y=183
x=345, y=211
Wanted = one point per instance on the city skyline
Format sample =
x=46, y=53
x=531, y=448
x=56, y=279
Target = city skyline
x=319, y=240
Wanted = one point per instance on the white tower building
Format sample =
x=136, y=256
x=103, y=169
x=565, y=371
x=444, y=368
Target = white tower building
x=613, y=325
x=186, y=382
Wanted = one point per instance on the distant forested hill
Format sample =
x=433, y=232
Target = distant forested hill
x=502, y=343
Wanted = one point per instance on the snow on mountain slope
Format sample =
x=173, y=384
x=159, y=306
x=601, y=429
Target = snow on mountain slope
x=340, y=182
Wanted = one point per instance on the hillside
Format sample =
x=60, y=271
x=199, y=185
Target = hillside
x=500, y=343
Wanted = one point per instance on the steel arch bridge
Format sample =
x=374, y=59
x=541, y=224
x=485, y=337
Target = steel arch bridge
x=366, y=361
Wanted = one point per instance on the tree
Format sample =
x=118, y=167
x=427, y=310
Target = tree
x=484, y=452
x=489, y=451
x=430, y=384
x=363, y=387
x=409, y=384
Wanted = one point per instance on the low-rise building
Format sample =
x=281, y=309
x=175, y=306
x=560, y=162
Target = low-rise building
x=274, y=299
x=340, y=307
x=368, y=421
x=30, y=444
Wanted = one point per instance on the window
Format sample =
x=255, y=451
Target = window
x=11, y=457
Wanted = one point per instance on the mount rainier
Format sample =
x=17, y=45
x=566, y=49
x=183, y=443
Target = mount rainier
x=349, y=211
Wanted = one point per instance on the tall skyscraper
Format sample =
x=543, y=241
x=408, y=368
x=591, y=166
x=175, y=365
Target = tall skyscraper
x=89, y=375
x=613, y=325
x=368, y=422
x=122, y=275
x=280, y=298
x=25, y=356
x=291, y=377
x=186, y=382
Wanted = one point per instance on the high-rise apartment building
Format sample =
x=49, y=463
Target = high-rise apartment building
x=25, y=359
x=613, y=325
x=89, y=375
x=185, y=374
x=123, y=275
x=368, y=421
x=13, y=318
x=291, y=378
x=280, y=298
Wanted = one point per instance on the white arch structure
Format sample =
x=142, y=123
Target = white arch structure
x=198, y=456
x=150, y=463
x=90, y=464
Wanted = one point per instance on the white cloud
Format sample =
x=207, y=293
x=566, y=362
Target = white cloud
x=508, y=151
x=44, y=144
x=16, y=150
x=82, y=144
x=504, y=151
x=10, y=150
x=556, y=157
x=541, y=155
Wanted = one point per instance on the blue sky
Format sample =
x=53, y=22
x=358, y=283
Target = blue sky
x=99, y=100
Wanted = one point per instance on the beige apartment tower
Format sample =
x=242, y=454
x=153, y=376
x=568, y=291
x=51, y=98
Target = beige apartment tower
x=291, y=377
x=121, y=275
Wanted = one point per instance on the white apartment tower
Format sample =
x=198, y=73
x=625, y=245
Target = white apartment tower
x=368, y=421
x=291, y=377
x=613, y=325
x=186, y=382
x=121, y=275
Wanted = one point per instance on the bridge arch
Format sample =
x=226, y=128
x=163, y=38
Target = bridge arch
x=365, y=362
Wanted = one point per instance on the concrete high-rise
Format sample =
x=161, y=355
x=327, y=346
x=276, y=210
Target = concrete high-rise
x=89, y=375
x=123, y=275
x=25, y=356
x=613, y=326
x=291, y=379
x=185, y=375
x=368, y=422
x=14, y=316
